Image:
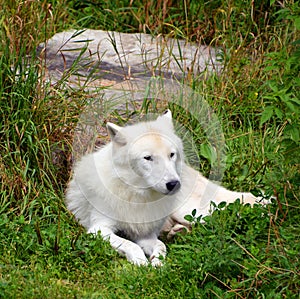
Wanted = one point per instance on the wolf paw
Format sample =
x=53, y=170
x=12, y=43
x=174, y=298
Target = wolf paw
x=137, y=258
x=176, y=229
x=139, y=261
x=156, y=261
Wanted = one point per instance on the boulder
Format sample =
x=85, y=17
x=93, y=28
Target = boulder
x=96, y=58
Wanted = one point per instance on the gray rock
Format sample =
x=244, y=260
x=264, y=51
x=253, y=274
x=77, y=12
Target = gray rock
x=96, y=58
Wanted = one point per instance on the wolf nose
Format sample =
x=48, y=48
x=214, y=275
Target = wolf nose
x=173, y=186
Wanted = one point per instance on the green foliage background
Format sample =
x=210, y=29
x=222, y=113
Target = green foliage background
x=240, y=252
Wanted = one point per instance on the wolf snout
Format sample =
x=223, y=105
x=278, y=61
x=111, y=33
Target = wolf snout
x=173, y=186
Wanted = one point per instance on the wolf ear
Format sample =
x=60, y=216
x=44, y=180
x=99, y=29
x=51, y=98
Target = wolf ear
x=115, y=135
x=167, y=114
x=166, y=117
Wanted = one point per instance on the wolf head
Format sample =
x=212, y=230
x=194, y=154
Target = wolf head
x=148, y=155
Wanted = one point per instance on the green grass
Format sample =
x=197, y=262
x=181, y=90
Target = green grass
x=239, y=252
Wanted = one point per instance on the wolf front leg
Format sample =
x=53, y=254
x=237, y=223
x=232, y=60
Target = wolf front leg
x=133, y=252
x=154, y=248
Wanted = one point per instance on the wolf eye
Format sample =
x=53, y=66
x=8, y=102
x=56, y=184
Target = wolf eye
x=172, y=155
x=148, y=158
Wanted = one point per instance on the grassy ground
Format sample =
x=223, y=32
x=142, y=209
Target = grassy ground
x=240, y=252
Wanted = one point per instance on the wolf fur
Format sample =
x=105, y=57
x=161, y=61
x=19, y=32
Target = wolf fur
x=137, y=186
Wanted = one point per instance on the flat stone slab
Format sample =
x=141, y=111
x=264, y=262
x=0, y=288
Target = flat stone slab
x=95, y=58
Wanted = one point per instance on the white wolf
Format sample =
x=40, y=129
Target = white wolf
x=138, y=185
